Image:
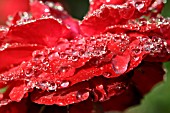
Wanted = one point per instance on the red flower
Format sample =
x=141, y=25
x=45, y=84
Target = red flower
x=56, y=59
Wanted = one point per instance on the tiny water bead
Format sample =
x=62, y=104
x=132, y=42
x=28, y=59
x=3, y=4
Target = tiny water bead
x=29, y=72
x=46, y=85
x=65, y=84
x=38, y=55
x=82, y=94
x=4, y=46
x=107, y=75
x=136, y=51
x=139, y=5
x=120, y=86
x=155, y=45
x=24, y=17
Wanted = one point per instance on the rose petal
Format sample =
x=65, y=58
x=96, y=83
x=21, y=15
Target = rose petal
x=38, y=9
x=13, y=54
x=95, y=4
x=18, y=91
x=120, y=102
x=62, y=97
x=147, y=75
x=35, y=32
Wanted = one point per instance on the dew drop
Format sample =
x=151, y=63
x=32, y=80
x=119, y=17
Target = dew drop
x=29, y=72
x=136, y=51
x=120, y=86
x=63, y=56
x=139, y=5
x=38, y=55
x=74, y=58
x=63, y=69
x=120, y=63
x=42, y=85
x=4, y=46
x=107, y=75
x=136, y=58
x=52, y=87
x=81, y=95
x=65, y=84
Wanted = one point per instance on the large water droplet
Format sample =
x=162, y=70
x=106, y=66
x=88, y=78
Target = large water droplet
x=120, y=63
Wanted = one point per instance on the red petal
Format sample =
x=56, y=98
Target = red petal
x=62, y=97
x=147, y=75
x=102, y=17
x=120, y=102
x=38, y=9
x=95, y=4
x=18, y=91
x=37, y=32
x=84, y=107
x=14, y=108
x=13, y=54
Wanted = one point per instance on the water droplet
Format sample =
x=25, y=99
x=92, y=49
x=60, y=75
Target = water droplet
x=38, y=55
x=136, y=51
x=52, y=87
x=4, y=46
x=63, y=69
x=139, y=5
x=136, y=58
x=63, y=55
x=93, y=41
x=74, y=58
x=119, y=86
x=107, y=75
x=29, y=72
x=81, y=95
x=65, y=84
x=120, y=63
x=42, y=85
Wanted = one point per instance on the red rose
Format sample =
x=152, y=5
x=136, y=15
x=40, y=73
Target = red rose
x=52, y=58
